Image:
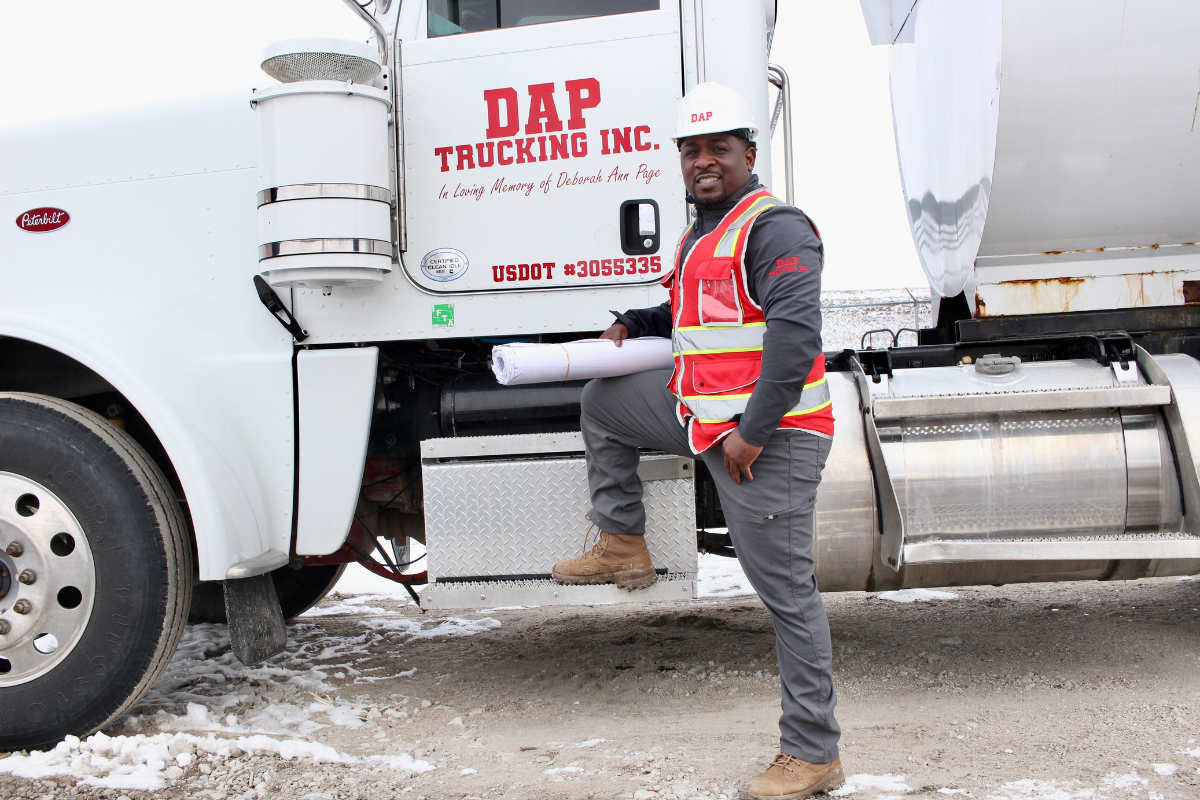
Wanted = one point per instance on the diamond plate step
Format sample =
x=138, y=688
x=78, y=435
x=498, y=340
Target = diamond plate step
x=514, y=505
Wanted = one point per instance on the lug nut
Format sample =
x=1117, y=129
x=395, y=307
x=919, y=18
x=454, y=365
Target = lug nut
x=15, y=549
x=5, y=627
x=22, y=607
x=27, y=577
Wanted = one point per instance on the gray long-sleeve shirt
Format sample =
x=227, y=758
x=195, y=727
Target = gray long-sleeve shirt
x=784, y=257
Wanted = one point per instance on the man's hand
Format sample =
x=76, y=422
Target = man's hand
x=617, y=332
x=739, y=456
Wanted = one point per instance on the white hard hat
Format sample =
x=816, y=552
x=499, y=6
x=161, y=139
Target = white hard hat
x=713, y=108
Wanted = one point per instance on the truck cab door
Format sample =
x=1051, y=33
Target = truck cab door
x=536, y=144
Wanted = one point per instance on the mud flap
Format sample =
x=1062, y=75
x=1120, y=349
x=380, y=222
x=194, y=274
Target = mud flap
x=256, y=629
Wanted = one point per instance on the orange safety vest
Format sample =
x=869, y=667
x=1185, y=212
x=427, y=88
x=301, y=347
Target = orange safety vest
x=717, y=332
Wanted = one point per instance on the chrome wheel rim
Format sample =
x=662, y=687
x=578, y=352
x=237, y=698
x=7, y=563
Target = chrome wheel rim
x=50, y=587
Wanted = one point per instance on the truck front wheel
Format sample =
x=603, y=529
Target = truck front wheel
x=95, y=571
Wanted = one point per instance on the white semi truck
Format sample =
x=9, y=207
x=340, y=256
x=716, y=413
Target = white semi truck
x=245, y=342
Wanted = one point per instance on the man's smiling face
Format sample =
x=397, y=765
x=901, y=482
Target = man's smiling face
x=715, y=165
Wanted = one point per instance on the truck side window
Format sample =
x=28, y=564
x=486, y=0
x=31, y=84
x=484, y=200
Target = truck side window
x=447, y=17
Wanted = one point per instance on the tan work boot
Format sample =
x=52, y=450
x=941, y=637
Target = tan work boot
x=789, y=778
x=623, y=560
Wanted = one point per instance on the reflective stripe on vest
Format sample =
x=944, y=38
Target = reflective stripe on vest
x=727, y=246
x=698, y=340
x=726, y=353
x=722, y=408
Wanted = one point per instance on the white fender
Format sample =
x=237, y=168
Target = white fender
x=218, y=476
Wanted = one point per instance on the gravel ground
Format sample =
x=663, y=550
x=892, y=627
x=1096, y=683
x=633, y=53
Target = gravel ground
x=1056, y=691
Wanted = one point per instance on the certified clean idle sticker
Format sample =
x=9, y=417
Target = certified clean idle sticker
x=444, y=264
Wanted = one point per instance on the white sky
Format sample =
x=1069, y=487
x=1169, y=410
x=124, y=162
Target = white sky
x=69, y=57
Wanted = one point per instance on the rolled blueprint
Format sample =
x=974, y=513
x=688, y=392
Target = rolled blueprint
x=519, y=362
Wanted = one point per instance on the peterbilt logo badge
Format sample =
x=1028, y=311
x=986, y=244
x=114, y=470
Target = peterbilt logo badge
x=43, y=220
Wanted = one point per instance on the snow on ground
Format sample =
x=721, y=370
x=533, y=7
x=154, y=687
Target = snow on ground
x=349, y=607
x=1129, y=781
x=209, y=707
x=878, y=783
x=447, y=627
x=915, y=595
x=148, y=762
x=720, y=576
x=1114, y=786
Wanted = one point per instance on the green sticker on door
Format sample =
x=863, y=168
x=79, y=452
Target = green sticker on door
x=443, y=315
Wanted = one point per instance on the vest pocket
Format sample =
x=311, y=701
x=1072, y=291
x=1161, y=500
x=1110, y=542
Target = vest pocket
x=725, y=373
x=719, y=304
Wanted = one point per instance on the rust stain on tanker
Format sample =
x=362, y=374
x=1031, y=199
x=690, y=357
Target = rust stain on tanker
x=1062, y=295
x=1038, y=295
x=1136, y=286
x=1107, y=249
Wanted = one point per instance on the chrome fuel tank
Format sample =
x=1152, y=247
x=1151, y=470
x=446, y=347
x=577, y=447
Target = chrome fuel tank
x=1052, y=471
x=1049, y=475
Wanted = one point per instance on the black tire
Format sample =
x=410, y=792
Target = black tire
x=143, y=568
x=298, y=590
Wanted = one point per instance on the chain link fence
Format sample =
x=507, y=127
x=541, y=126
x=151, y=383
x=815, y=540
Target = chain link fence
x=874, y=317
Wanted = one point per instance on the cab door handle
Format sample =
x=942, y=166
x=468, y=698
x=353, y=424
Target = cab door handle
x=640, y=227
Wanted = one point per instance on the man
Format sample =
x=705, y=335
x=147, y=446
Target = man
x=748, y=395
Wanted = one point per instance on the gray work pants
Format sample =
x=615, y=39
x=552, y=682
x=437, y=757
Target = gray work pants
x=770, y=521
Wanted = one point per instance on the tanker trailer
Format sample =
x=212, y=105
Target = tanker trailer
x=1043, y=429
